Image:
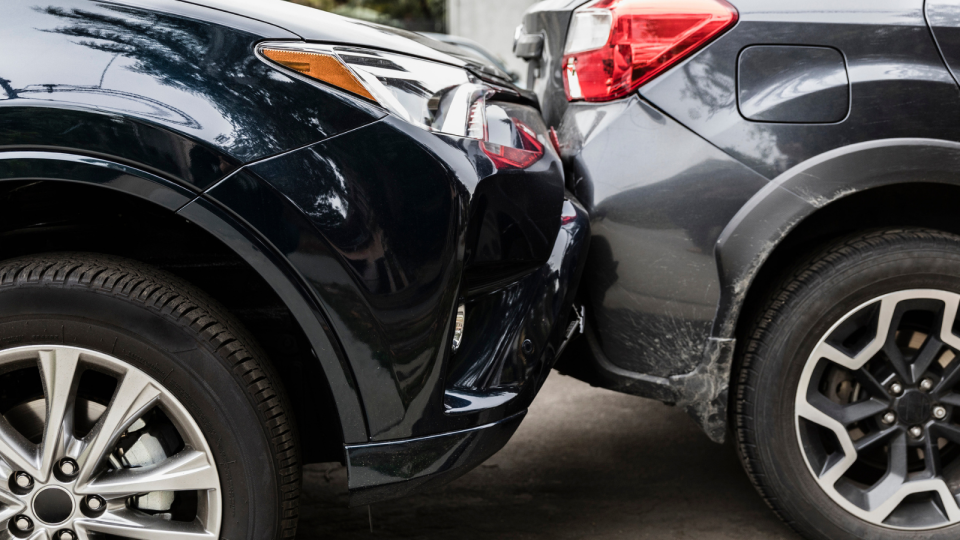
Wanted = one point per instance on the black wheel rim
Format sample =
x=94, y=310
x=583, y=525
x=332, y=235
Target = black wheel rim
x=875, y=410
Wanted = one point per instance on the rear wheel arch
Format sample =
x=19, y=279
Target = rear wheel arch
x=885, y=183
x=879, y=185
x=120, y=210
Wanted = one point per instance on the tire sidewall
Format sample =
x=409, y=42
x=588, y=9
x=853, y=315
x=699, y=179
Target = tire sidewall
x=808, y=314
x=183, y=363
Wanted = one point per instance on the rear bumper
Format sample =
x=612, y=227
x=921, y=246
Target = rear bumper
x=529, y=325
x=659, y=196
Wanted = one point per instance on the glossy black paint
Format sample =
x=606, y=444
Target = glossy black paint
x=376, y=221
x=394, y=469
x=691, y=196
x=369, y=230
x=34, y=165
x=511, y=342
x=270, y=264
x=156, y=88
x=516, y=334
x=786, y=83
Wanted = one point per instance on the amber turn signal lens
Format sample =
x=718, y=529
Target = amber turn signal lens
x=321, y=67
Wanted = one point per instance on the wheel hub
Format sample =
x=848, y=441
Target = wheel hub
x=914, y=407
x=53, y=505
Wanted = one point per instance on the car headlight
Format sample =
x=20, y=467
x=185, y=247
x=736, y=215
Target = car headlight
x=433, y=96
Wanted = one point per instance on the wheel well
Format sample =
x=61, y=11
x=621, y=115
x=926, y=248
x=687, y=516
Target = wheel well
x=45, y=216
x=927, y=205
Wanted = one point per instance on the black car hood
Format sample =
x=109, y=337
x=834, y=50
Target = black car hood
x=321, y=26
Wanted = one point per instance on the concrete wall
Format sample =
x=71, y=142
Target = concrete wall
x=490, y=23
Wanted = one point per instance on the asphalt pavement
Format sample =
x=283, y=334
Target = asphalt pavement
x=585, y=463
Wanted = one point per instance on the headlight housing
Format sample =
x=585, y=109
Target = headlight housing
x=433, y=96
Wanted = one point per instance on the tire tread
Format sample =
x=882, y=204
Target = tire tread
x=190, y=308
x=777, y=309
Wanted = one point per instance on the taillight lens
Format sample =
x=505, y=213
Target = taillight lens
x=614, y=46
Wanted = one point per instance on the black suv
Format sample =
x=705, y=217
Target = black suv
x=241, y=236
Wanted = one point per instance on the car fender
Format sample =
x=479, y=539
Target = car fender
x=131, y=83
x=239, y=238
x=773, y=212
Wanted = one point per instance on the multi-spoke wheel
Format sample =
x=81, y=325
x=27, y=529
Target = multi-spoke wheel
x=131, y=406
x=103, y=448
x=848, y=400
x=874, y=410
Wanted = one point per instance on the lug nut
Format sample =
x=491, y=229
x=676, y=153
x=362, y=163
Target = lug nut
x=69, y=467
x=65, y=534
x=939, y=412
x=889, y=418
x=896, y=389
x=926, y=385
x=23, y=480
x=22, y=523
x=916, y=432
x=95, y=503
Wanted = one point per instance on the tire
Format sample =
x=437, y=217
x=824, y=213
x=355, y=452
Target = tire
x=823, y=360
x=112, y=329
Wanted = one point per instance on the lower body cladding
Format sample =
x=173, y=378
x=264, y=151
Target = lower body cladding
x=530, y=322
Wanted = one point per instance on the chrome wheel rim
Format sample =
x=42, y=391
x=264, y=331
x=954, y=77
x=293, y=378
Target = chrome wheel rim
x=142, y=469
x=875, y=407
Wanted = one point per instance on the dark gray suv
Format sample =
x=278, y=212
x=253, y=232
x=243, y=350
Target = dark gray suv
x=773, y=188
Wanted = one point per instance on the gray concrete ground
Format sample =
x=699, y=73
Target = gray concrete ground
x=586, y=463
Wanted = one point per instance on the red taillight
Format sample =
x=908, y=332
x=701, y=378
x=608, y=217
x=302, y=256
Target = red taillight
x=555, y=140
x=614, y=46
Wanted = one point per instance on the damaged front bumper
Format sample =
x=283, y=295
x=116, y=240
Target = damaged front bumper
x=512, y=337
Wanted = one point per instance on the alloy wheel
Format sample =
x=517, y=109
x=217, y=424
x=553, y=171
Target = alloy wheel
x=875, y=410
x=93, y=445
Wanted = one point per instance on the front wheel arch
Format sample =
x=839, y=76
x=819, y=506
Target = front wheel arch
x=109, y=197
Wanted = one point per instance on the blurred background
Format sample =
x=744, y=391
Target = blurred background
x=487, y=23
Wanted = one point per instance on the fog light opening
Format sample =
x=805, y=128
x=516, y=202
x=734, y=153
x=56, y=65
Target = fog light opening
x=458, y=326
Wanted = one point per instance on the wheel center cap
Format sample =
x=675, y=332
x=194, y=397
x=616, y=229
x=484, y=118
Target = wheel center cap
x=914, y=407
x=53, y=505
